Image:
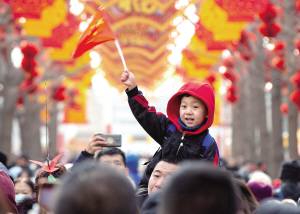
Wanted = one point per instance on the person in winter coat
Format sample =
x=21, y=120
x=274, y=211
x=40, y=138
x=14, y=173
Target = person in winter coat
x=184, y=133
x=290, y=176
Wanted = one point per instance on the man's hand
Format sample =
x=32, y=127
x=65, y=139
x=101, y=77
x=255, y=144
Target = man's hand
x=95, y=143
x=128, y=79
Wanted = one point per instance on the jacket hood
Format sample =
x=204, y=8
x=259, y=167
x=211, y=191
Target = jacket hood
x=202, y=91
x=8, y=191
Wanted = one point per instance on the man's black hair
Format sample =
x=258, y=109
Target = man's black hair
x=111, y=151
x=107, y=191
x=199, y=188
x=3, y=158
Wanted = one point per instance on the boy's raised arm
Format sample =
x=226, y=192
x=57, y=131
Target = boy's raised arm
x=128, y=79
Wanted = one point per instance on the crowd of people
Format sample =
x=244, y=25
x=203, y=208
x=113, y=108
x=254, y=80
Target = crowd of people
x=103, y=183
x=185, y=175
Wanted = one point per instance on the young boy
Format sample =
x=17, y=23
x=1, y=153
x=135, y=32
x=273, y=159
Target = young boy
x=185, y=133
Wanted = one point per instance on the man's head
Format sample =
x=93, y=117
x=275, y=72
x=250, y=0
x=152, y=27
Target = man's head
x=199, y=188
x=22, y=160
x=162, y=170
x=113, y=157
x=106, y=190
x=193, y=111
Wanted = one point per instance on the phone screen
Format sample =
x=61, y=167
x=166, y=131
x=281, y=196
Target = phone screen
x=46, y=196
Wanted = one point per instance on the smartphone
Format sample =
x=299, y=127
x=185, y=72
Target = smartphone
x=46, y=196
x=113, y=140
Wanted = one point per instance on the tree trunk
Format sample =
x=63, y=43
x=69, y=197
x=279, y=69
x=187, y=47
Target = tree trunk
x=249, y=130
x=30, y=129
x=258, y=69
x=276, y=148
x=289, y=22
x=238, y=112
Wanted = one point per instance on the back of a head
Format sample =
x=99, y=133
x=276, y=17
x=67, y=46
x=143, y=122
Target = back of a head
x=44, y=174
x=3, y=158
x=275, y=207
x=93, y=190
x=198, y=188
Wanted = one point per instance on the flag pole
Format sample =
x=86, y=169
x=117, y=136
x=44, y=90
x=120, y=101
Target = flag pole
x=121, y=54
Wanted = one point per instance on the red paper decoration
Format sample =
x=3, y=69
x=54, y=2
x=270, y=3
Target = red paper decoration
x=241, y=10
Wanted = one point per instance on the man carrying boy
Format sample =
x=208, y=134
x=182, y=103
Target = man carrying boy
x=185, y=133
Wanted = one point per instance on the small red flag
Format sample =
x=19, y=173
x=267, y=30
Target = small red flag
x=98, y=32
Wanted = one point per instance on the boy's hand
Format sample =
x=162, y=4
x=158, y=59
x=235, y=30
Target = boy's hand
x=95, y=143
x=128, y=79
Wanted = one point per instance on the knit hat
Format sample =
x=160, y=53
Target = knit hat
x=290, y=170
x=260, y=190
x=8, y=192
x=260, y=176
x=132, y=162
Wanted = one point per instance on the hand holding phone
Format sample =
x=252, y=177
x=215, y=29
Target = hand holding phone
x=96, y=143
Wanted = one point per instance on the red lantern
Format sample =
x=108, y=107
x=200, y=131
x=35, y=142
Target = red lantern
x=230, y=95
x=295, y=79
x=229, y=63
x=284, y=108
x=279, y=46
x=29, y=86
x=269, y=13
x=58, y=93
x=298, y=4
x=269, y=29
x=278, y=62
x=295, y=97
x=211, y=79
x=297, y=44
x=29, y=49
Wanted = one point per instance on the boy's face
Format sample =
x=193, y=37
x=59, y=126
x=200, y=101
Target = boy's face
x=192, y=111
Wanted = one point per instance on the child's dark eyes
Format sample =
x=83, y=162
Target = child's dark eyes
x=195, y=106
x=183, y=106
